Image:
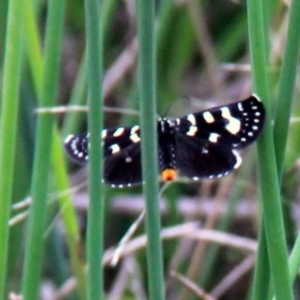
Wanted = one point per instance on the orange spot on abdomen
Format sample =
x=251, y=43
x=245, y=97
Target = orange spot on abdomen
x=168, y=174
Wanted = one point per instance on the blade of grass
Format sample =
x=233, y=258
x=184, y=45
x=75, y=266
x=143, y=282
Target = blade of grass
x=21, y=184
x=261, y=278
x=294, y=259
x=287, y=85
x=68, y=213
x=147, y=69
x=8, y=125
x=270, y=191
x=34, y=246
x=292, y=149
x=3, y=15
x=285, y=96
x=33, y=45
x=95, y=230
x=60, y=172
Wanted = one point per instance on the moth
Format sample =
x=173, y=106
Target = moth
x=198, y=145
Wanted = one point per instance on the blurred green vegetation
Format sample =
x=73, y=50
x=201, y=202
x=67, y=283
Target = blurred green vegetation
x=203, y=61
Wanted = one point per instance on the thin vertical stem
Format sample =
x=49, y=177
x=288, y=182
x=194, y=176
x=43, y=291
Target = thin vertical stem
x=8, y=125
x=68, y=213
x=34, y=246
x=286, y=85
x=285, y=98
x=147, y=71
x=95, y=231
x=270, y=191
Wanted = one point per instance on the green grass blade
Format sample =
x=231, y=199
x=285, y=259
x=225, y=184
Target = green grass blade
x=270, y=191
x=95, y=230
x=283, y=112
x=3, y=15
x=261, y=279
x=147, y=69
x=294, y=260
x=292, y=157
x=8, y=125
x=34, y=246
x=287, y=85
x=33, y=45
x=60, y=171
x=68, y=214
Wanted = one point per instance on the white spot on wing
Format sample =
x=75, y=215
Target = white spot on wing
x=204, y=150
x=115, y=148
x=134, y=129
x=240, y=106
x=226, y=113
x=69, y=138
x=135, y=138
x=104, y=133
x=119, y=132
x=234, y=124
x=213, y=137
x=238, y=159
x=128, y=159
x=208, y=117
x=172, y=123
x=192, y=119
x=256, y=97
x=192, y=131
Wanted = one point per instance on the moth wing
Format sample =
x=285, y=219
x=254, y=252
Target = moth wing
x=197, y=158
x=235, y=125
x=76, y=147
x=124, y=167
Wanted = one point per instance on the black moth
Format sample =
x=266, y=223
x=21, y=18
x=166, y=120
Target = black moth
x=199, y=145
